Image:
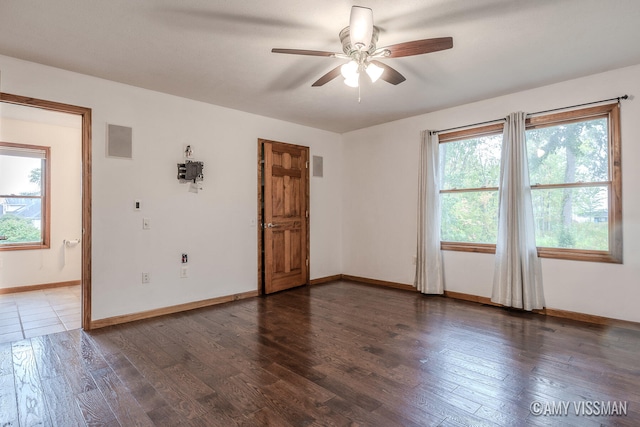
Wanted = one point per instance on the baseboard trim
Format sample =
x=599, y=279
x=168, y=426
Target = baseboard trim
x=468, y=297
x=39, y=287
x=589, y=318
x=552, y=312
x=116, y=320
x=376, y=282
x=327, y=279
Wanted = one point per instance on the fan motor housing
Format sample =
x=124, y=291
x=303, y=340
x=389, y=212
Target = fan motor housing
x=345, y=39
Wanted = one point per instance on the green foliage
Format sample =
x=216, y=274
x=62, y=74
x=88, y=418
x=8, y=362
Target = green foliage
x=18, y=230
x=565, y=217
x=35, y=175
x=471, y=163
x=566, y=238
x=470, y=217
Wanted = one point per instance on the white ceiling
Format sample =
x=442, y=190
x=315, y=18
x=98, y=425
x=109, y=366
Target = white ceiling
x=220, y=51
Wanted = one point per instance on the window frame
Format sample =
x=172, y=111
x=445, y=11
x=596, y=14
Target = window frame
x=45, y=198
x=614, y=183
x=488, y=130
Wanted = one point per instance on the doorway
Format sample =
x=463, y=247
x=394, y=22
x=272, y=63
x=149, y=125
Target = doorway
x=283, y=216
x=85, y=233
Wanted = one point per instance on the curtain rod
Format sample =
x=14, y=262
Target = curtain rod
x=531, y=114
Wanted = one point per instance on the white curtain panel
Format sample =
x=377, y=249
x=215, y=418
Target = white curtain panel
x=517, y=280
x=429, y=274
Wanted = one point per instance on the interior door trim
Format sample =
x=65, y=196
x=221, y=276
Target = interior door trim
x=259, y=224
x=85, y=114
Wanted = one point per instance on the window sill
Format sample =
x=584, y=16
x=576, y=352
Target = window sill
x=23, y=246
x=552, y=253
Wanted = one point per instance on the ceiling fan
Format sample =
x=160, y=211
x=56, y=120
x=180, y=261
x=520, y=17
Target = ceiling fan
x=359, y=46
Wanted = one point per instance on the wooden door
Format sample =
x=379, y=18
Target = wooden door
x=285, y=215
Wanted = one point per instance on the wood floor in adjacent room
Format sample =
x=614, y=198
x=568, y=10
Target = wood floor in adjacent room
x=340, y=354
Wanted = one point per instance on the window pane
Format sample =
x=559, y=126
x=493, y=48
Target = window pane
x=20, y=176
x=23, y=224
x=569, y=153
x=575, y=218
x=471, y=163
x=470, y=217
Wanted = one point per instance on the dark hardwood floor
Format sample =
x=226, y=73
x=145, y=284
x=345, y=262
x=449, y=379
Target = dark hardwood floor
x=341, y=354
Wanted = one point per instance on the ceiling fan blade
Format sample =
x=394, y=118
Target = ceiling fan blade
x=304, y=52
x=389, y=75
x=419, y=47
x=328, y=77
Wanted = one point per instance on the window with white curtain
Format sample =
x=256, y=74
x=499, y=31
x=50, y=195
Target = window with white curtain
x=575, y=175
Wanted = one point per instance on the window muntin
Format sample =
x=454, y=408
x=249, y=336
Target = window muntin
x=24, y=208
x=575, y=176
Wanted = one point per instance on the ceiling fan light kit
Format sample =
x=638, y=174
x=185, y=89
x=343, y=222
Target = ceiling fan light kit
x=359, y=45
x=361, y=27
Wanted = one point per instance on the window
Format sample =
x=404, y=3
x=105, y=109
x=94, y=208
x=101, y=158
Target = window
x=24, y=196
x=575, y=176
x=470, y=170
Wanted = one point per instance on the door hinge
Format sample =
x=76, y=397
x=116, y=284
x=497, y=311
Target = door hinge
x=307, y=262
x=306, y=214
x=306, y=164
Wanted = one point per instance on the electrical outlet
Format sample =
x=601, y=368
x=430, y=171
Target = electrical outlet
x=137, y=205
x=184, y=272
x=146, y=223
x=146, y=278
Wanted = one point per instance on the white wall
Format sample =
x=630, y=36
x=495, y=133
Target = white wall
x=366, y=200
x=213, y=227
x=380, y=202
x=56, y=264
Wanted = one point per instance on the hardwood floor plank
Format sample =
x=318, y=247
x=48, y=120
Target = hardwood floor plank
x=95, y=410
x=66, y=347
x=219, y=408
x=301, y=384
x=359, y=416
x=123, y=405
x=6, y=359
x=32, y=409
x=320, y=413
x=277, y=403
x=61, y=403
x=144, y=393
x=177, y=397
x=8, y=404
x=47, y=360
x=264, y=417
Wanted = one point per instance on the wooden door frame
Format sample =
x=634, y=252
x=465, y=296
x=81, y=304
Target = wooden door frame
x=85, y=114
x=259, y=208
